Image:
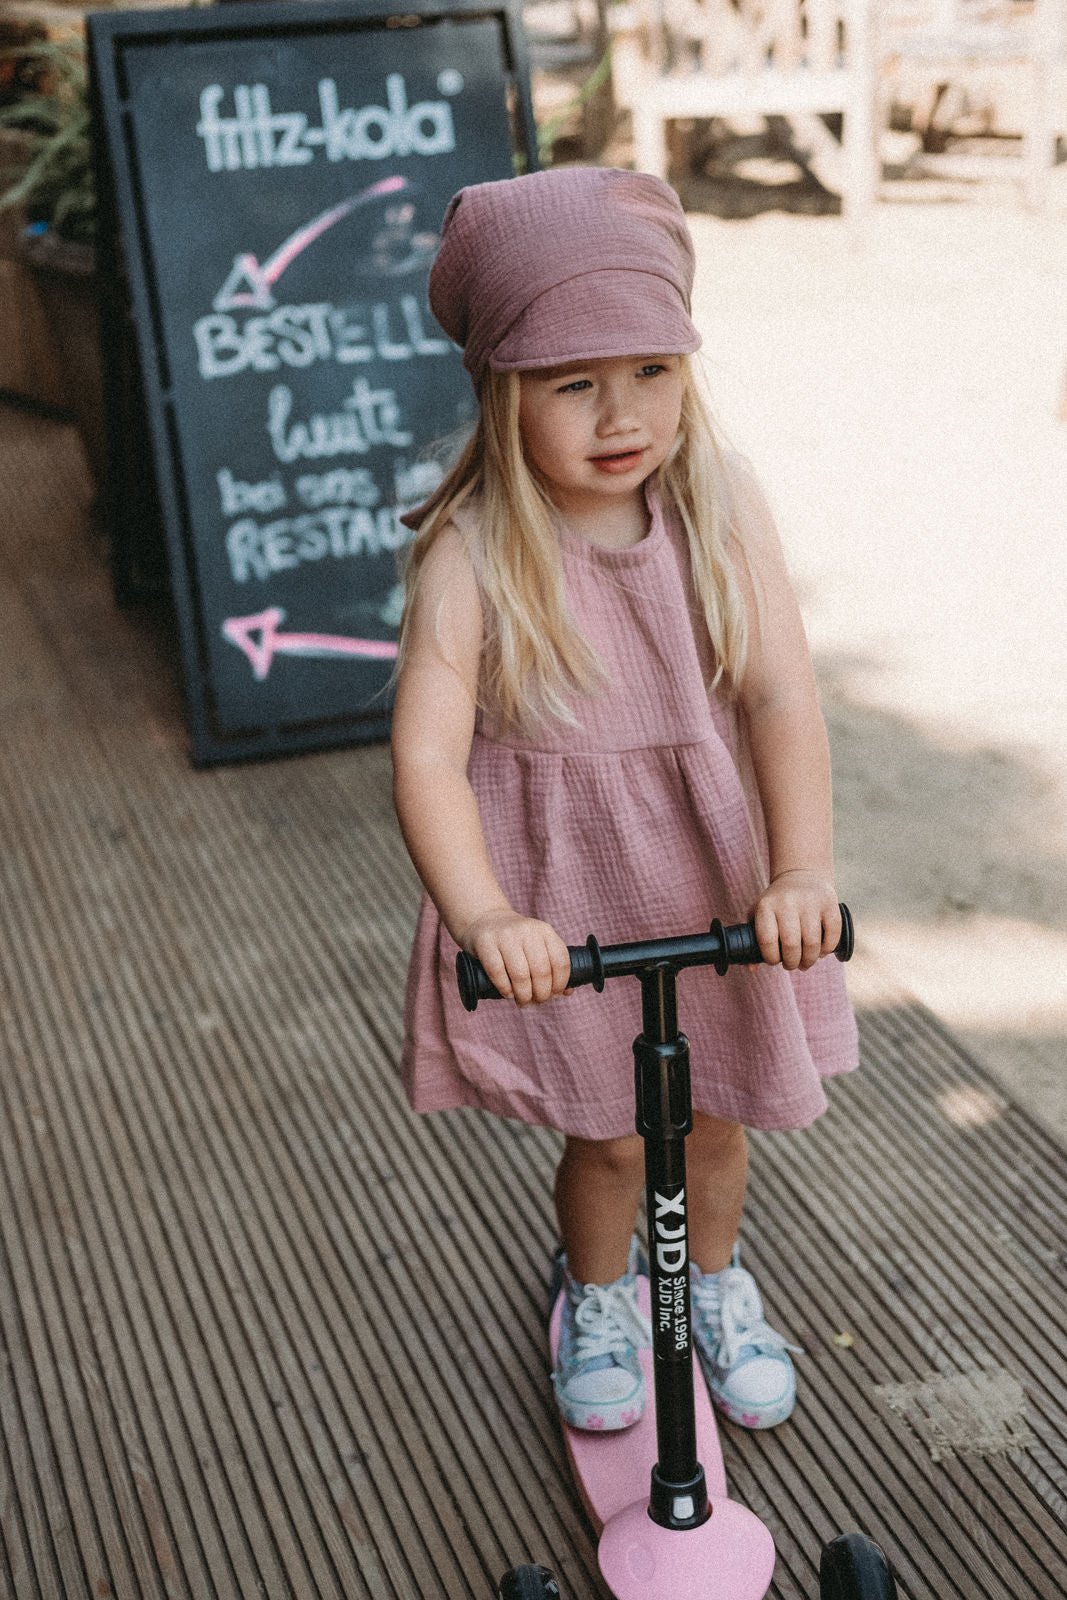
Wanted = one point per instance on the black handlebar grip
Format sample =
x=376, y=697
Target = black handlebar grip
x=845, y=946
x=738, y=945
x=473, y=982
x=587, y=966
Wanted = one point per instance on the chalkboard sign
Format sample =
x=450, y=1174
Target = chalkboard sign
x=272, y=181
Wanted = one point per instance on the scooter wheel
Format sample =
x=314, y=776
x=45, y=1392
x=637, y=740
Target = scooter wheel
x=855, y=1568
x=528, y=1583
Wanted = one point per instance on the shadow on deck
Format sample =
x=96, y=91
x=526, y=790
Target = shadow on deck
x=266, y=1334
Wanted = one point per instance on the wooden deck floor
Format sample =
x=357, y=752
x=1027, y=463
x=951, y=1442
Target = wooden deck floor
x=263, y=1333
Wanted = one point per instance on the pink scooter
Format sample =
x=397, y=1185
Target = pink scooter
x=684, y=1539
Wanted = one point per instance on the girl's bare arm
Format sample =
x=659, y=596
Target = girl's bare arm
x=433, y=726
x=798, y=913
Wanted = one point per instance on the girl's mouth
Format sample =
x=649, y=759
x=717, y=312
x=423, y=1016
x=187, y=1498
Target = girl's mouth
x=623, y=462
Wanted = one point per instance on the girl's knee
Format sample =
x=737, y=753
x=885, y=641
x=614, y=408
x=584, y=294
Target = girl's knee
x=620, y=1159
x=713, y=1136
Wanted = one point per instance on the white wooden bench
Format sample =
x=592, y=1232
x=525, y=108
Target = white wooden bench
x=797, y=59
x=942, y=42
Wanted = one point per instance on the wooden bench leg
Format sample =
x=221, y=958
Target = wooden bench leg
x=860, y=156
x=1039, y=138
x=650, y=141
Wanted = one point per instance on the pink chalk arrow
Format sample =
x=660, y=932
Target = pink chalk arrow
x=262, y=278
x=260, y=640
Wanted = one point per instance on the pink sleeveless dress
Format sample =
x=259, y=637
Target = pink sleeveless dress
x=643, y=822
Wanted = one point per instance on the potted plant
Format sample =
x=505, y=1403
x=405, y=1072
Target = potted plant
x=54, y=195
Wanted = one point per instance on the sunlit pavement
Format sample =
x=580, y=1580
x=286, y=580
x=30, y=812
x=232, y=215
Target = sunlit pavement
x=899, y=395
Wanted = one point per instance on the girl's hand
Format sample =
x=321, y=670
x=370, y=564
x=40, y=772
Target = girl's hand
x=524, y=958
x=798, y=920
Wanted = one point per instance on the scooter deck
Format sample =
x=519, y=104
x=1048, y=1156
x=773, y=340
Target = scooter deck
x=613, y=1470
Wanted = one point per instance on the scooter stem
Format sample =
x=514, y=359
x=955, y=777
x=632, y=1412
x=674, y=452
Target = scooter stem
x=679, y=1495
x=636, y=1559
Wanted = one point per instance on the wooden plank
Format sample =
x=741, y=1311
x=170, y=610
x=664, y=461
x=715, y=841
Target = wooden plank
x=214, y=1294
x=266, y=1333
x=147, y=1256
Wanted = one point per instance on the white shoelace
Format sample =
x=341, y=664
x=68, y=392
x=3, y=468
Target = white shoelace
x=607, y=1319
x=733, y=1297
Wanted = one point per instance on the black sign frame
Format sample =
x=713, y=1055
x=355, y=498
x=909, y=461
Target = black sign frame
x=147, y=482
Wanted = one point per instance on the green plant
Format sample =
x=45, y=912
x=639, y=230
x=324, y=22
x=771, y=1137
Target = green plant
x=550, y=131
x=56, y=188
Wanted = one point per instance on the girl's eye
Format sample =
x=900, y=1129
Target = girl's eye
x=575, y=387
x=650, y=369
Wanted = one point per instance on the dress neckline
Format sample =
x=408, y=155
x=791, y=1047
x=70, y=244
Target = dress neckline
x=631, y=555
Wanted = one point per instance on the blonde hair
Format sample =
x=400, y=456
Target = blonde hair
x=536, y=658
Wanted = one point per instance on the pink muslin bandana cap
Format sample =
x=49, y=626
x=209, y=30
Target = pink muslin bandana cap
x=575, y=264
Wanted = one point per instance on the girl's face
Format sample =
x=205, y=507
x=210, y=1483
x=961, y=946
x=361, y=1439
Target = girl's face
x=595, y=430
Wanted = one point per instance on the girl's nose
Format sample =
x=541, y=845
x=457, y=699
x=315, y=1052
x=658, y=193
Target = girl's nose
x=617, y=410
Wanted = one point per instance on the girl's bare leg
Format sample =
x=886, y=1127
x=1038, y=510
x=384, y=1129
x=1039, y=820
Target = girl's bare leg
x=599, y=1183
x=750, y=1375
x=716, y=1166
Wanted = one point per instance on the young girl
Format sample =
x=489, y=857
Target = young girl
x=606, y=722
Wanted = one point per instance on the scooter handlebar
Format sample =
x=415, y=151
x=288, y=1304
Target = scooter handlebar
x=721, y=947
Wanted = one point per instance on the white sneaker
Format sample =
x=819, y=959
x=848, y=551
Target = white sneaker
x=746, y=1363
x=598, y=1379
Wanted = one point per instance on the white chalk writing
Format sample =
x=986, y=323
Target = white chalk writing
x=258, y=136
x=343, y=486
x=416, y=480
x=368, y=417
x=259, y=549
x=297, y=336
x=236, y=497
